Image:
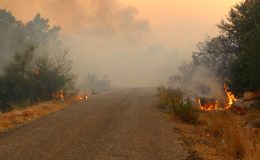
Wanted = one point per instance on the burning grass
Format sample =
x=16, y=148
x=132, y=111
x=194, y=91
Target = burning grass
x=216, y=104
x=221, y=132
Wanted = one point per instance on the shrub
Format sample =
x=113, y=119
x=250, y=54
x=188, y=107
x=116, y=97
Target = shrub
x=173, y=100
x=186, y=112
x=30, y=79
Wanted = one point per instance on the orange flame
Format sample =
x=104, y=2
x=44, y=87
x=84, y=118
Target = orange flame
x=82, y=97
x=216, y=105
x=231, y=99
x=59, y=95
x=209, y=107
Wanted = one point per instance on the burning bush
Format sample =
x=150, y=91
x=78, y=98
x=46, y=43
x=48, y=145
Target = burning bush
x=174, y=100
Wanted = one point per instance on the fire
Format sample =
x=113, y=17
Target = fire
x=82, y=97
x=210, y=106
x=59, y=95
x=216, y=105
x=231, y=99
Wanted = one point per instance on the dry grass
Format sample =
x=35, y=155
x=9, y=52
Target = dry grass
x=231, y=136
x=17, y=116
x=222, y=135
x=173, y=100
x=170, y=96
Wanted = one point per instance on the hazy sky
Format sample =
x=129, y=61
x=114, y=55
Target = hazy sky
x=182, y=22
x=135, y=42
x=175, y=23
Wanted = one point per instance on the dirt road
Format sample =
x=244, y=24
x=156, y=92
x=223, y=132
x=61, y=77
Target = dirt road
x=113, y=125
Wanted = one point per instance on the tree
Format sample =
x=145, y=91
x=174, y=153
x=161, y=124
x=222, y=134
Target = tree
x=11, y=31
x=242, y=28
x=16, y=36
x=33, y=63
x=30, y=78
x=216, y=54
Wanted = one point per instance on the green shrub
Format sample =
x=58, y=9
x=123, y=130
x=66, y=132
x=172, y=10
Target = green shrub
x=30, y=79
x=185, y=112
x=173, y=100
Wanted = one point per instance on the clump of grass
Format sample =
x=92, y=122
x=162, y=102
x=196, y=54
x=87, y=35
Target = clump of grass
x=235, y=140
x=173, y=100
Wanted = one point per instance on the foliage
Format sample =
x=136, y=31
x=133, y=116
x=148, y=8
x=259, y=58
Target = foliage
x=16, y=36
x=33, y=65
x=233, y=57
x=243, y=28
x=175, y=101
x=216, y=54
x=32, y=78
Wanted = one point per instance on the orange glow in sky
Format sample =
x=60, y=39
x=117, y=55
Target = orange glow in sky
x=177, y=24
x=186, y=21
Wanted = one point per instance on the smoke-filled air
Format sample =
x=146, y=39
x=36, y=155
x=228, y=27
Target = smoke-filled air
x=114, y=43
x=107, y=38
x=130, y=79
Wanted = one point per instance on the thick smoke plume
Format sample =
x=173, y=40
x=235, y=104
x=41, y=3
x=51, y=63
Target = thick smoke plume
x=107, y=38
x=198, y=81
x=98, y=17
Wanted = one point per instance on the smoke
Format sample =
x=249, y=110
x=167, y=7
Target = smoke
x=17, y=37
x=97, y=17
x=198, y=81
x=107, y=38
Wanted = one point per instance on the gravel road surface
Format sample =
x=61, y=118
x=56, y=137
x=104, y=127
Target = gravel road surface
x=123, y=124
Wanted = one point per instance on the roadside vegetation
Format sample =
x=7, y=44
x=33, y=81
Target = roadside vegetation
x=173, y=101
x=227, y=133
x=233, y=135
x=36, y=75
x=18, y=115
x=35, y=68
x=232, y=58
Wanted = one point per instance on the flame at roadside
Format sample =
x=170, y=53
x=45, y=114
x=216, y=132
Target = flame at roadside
x=230, y=100
x=82, y=97
x=59, y=95
x=211, y=106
